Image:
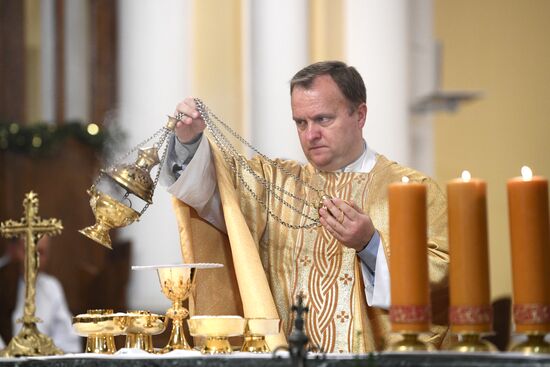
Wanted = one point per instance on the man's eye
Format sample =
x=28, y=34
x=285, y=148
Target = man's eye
x=300, y=124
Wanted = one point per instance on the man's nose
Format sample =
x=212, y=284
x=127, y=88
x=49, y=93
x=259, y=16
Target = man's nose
x=312, y=131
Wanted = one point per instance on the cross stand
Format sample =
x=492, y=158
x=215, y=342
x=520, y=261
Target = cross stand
x=30, y=341
x=297, y=341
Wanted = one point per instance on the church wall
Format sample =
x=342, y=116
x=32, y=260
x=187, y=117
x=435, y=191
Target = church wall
x=499, y=47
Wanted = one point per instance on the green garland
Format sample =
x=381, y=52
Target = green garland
x=43, y=138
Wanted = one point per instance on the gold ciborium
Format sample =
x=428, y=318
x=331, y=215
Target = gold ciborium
x=255, y=332
x=176, y=282
x=99, y=327
x=216, y=330
x=114, y=208
x=141, y=326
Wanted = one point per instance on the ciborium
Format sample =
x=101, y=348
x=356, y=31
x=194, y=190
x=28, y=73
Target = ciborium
x=216, y=330
x=176, y=282
x=140, y=328
x=119, y=189
x=100, y=327
x=255, y=332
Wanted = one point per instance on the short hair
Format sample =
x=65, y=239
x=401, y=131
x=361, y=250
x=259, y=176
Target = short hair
x=347, y=78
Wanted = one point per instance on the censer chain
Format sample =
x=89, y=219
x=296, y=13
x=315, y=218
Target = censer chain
x=232, y=157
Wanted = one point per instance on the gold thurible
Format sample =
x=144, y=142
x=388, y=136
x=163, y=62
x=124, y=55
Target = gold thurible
x=135, y=179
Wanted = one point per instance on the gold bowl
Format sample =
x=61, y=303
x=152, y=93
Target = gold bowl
x=99, y=327
x=216, y=329
x=141, y=326
x=109, y=213
x=255, y=332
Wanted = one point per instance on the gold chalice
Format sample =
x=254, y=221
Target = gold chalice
x=217, y=330
x=255, y=332
x=176, y=282
x=109, y=214
x=141, y=326
x=100, y=327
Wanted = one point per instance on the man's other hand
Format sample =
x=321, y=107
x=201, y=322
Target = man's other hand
x=347, y=223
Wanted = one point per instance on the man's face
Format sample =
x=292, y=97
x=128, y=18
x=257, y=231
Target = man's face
x=330, y=135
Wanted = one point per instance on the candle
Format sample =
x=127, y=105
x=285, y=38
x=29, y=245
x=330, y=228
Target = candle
x=410, y=297
x=470, y=310
x=530, y=245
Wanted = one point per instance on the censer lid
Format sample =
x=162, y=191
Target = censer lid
x=133, y=179
x=136, y=177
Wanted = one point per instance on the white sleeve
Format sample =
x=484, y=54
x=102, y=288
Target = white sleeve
x=197, y=186
x=377, y=280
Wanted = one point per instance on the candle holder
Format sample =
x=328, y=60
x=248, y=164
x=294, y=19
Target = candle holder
x=535, y=344
x=472, y=342
x=410, y=321
x=410, y=343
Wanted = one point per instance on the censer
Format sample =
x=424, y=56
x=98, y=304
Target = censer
x=135, y=179
x=126, y=180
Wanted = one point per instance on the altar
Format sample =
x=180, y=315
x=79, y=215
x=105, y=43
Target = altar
x=184, y=359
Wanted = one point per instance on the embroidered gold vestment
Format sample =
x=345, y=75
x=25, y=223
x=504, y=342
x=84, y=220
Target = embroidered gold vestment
x=267, y=264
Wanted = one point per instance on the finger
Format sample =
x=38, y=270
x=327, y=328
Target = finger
x=328, y=224
x=334, y=210
x=350, y=209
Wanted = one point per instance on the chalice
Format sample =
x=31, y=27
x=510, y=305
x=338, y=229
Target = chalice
x=176, y=282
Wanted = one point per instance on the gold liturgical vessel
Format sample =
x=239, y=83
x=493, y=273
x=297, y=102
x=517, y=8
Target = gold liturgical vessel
x=30, y=341
x=176, y=283
x=134, y=179
x=140, y=328
x=255, y=332
x=100, y=328
x=216, y=330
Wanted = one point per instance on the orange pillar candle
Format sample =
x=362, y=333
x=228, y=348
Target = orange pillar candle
x=470, y=310
x=410, y=298
x=530, y=240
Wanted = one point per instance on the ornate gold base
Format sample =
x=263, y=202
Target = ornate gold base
x=139, y=341
x=255, y=344
x=216, y=345
x=468, y=343
x=30, y=342
x=177, y=338
x=410, y=343
x=534, y=344
x=102, y=344
x=99, y=234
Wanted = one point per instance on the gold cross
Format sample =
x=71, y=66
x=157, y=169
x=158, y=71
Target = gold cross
x=32, y=228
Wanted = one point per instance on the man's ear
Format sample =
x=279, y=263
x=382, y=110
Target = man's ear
x=362, y=115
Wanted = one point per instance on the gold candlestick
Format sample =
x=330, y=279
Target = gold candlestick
x=30, y=341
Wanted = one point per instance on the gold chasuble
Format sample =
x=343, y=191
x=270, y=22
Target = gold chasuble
x=267, y=264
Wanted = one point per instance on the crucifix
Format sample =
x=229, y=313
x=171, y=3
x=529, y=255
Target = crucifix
x=30, y=341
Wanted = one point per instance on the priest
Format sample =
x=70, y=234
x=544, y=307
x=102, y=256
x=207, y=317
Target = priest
x=273, y=250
